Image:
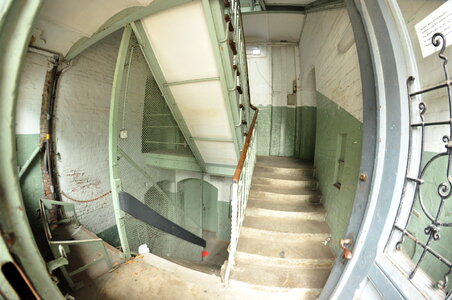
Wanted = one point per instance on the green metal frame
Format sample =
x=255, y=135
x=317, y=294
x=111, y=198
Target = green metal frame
x=16, y=20
x=208, y=139
x=154, y=66
x=171, y=161
x=224, y=64
x=113, y=134
x=192, y=81
x=223, y=170
x=60, y=248
x=120, y=20
x=6, y=290
x=27, y=164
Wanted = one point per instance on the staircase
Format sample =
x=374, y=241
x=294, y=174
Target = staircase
x=283, y=237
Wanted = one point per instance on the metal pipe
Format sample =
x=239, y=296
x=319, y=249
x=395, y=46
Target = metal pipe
x=49, y=138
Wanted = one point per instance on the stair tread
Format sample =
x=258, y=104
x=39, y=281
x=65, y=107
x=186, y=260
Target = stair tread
x=286, y=277
x=282, y=239
x=288, y=206
x=303, y=169
x=286, y=225
x=276, y=236
x=283, y=190
x=274, y=175
x=266, y=196
x=283, y=162
x=285, y=249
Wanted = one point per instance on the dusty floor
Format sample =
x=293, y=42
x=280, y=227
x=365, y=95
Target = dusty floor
x=151, y=277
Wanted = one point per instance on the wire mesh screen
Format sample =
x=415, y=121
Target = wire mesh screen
x=160, y=131
x=145, y=125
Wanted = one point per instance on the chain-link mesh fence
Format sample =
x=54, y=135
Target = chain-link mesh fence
x=146, y=125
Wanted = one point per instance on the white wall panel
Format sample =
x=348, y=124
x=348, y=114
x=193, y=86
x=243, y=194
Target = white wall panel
x=337, y=73
x=181, y=42
x=31, y=87
x=222, y=153
x=202, y=106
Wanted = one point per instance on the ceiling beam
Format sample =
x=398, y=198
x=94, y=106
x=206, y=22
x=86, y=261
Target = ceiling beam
x=296, y=9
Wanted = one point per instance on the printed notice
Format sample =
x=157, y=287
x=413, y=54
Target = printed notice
x=440, y=20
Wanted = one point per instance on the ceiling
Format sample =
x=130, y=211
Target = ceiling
x=273, y=27
x=61, y=23
x=288, y=2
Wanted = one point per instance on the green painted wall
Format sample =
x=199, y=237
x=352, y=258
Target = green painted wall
x=282, y=142
x=306, y=132
x=286, y=131
x=111, y=236
x=332, y=122
x=432, y=178
x=31, y=184
x=206, y=209
x=264, y=129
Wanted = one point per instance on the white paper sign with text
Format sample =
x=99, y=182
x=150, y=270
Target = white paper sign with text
x=440, y=20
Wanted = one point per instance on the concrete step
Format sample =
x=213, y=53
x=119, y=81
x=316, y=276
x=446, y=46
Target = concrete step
x=277, y=175
x=285, y=205
x=313, y=214
x=276, y=236
x=306, y=182
x=284, y=276
x=266, y=194
x=308, y=187
x=283, y=162
x=284, y=252
x=290, y=172
x=250, y=258
x=280, y=225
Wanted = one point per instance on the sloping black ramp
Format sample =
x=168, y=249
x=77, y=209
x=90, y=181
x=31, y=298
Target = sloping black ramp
x=135, y=208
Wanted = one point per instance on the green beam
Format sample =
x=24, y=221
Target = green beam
x=224, y=64
x=16, y=21
x=223, y=170
x=173, y=162
x=192, y=81
x=113, y=135
x=119, y=21
x=207, y=139
x=33, y=155
x=151, y=59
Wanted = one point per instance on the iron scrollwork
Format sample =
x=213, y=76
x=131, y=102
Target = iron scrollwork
x=444, y=189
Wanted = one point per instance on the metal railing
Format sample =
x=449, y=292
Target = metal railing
x=240, y=190
x=427, y=177
x=235, y=40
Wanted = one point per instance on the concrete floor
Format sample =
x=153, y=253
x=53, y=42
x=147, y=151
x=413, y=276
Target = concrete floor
x=151, y=277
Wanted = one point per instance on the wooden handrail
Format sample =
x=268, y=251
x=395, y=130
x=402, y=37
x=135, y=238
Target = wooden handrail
x=239, y=169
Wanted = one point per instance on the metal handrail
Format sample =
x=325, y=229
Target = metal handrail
x=240, y=190
x=239, y=168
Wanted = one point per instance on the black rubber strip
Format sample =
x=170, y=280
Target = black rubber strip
x=142, y=212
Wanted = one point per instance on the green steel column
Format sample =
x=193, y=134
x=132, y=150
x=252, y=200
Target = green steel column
x=113, y=136
x=16, y=20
